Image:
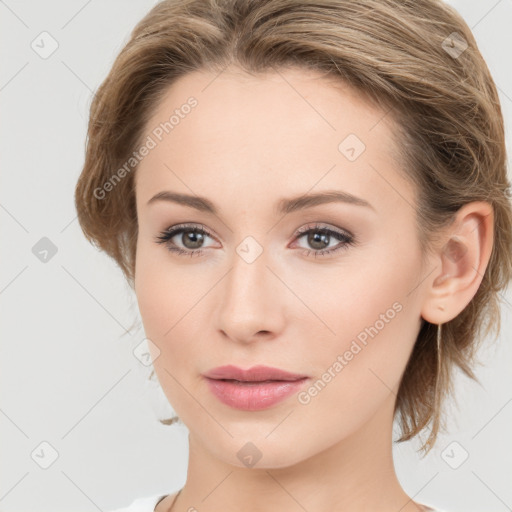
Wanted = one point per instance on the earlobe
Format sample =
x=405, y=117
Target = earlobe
x=461, y=263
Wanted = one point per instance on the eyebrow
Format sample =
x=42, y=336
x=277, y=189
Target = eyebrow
x=284, y=206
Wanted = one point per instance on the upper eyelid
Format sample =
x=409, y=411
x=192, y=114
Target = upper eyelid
x=319, y=227
x=302, y=229
x=315, y=226
x=188, y=227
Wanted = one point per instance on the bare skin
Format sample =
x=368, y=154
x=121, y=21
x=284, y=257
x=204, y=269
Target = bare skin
x=249, y=142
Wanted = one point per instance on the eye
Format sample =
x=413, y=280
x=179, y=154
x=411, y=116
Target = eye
x=320, y=237
x=192, y=238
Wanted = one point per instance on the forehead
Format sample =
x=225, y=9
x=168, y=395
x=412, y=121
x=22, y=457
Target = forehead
x=288, y=128
x=291, y=100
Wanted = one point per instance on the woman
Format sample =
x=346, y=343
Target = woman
x=311, y=204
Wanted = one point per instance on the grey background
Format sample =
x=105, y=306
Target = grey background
x=68, y=374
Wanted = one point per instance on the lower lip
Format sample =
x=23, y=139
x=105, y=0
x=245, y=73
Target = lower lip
x=253, y=396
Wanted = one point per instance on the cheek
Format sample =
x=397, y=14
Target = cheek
x=355, y=378
x=376, y=320
x=171, y=299
x=163, y=290
x=157, y=305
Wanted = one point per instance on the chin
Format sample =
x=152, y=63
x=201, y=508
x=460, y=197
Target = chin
x=251, y=450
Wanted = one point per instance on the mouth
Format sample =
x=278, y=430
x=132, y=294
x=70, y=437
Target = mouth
x=254, y=389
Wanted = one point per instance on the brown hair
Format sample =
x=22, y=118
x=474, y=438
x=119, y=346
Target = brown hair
x=405, y=57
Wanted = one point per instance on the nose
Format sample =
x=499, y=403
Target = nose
x=252, y=301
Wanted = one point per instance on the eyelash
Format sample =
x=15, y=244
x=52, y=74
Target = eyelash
x=165, y=237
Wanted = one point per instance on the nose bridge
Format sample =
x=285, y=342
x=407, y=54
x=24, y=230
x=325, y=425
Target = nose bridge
x=250, y=298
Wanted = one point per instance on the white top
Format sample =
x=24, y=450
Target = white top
x=149, y=503
x=146, y=504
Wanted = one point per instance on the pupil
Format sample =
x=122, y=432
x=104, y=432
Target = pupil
x=317, y=237
x=195, y=238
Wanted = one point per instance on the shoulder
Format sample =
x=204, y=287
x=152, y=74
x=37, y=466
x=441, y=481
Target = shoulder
x=145, y=504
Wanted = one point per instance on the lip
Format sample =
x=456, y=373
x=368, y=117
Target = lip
x=253, y=389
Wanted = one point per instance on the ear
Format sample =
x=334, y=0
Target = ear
x=459, y=263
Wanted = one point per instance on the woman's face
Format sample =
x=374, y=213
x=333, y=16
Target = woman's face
x=263, y=290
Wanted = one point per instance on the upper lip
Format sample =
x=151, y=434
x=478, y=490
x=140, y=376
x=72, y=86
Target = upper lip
x=255, y=374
